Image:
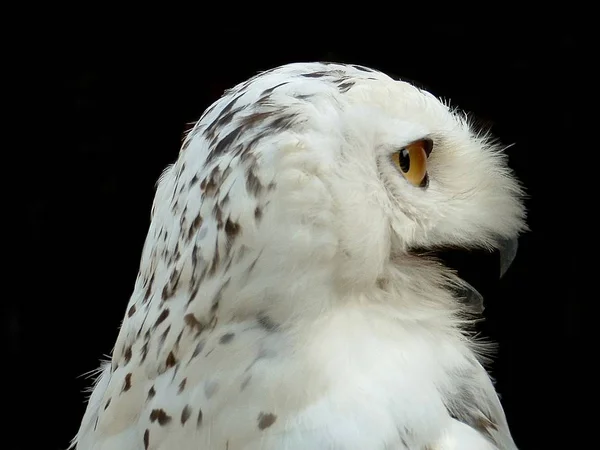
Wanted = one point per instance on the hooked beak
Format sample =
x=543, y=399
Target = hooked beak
x=471, y=296
x=508, y=251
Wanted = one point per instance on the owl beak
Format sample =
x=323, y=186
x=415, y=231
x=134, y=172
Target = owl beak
x=508, y=251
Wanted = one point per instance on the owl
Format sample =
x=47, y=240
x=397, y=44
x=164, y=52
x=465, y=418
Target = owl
x=289, y=296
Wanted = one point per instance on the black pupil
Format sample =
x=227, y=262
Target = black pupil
x=404, y=160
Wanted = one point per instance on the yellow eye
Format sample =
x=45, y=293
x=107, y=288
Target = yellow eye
x=412, y=162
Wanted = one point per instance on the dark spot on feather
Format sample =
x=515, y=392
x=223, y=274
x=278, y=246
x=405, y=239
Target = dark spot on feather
x=151, y=393
x=131, y=311
x=144, y=352
x=231, y=228
x=199, y=419
x=258, y=213
x=215, y=262
x=162, y=338
x=345, y=87
x=226, y=338
x=224, y=201
x=266, y=323
x=225, y=119
x=185, y=414
x=218, y=296
x=266, y=420
x=211, y=129
x=218, y=214
x=253, y=185
x=314, y=74
x=198, y=349
x=127, y=354
x=107, y=404
x=251, y=267
x=160, y=415
x=223, y=144
x=170, y=360
x=163, y=315
x=211, y=187
x=127, y=382
x=283, y=121
x=146, y=439
x=178, y=338
x=191, y=321
x=181, y=386
x=270, y=90
x=363, y=68
x=176, y=274
x=254, y=119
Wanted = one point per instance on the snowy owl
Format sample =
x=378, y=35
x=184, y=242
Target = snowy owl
x=288, y=296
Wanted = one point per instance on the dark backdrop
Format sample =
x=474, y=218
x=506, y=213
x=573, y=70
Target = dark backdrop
x=108, y=116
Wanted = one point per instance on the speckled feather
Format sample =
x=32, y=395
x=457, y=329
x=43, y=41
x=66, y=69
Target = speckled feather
x=278, y=304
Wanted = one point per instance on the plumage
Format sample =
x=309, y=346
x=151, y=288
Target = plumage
x=284, y=300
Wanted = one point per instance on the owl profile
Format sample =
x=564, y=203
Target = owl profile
x=289, y=296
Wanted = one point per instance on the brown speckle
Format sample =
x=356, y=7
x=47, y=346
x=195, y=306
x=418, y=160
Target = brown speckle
x=127, y=383
x=146, y=439
x=231, y=228
x=197, y=223
x=182, y=386
x=199, y=419
x=131, y=311
x=107, y=404
x=258, y=214
x=266, y=420
x=127, y=354
x=171, y=361
x=191, y=321
x=185, y=414
x=144, y=352
x=211, y=187
x=253, y=184
x=160, y=415
x=151, y=393
x=226, y=338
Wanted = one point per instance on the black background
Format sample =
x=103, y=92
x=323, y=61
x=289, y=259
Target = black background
x=108, y=115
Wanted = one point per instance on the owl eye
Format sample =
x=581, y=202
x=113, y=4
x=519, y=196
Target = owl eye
x=411, y=161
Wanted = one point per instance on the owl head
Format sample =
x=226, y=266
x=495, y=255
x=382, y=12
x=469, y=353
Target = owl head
x=328, y=175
